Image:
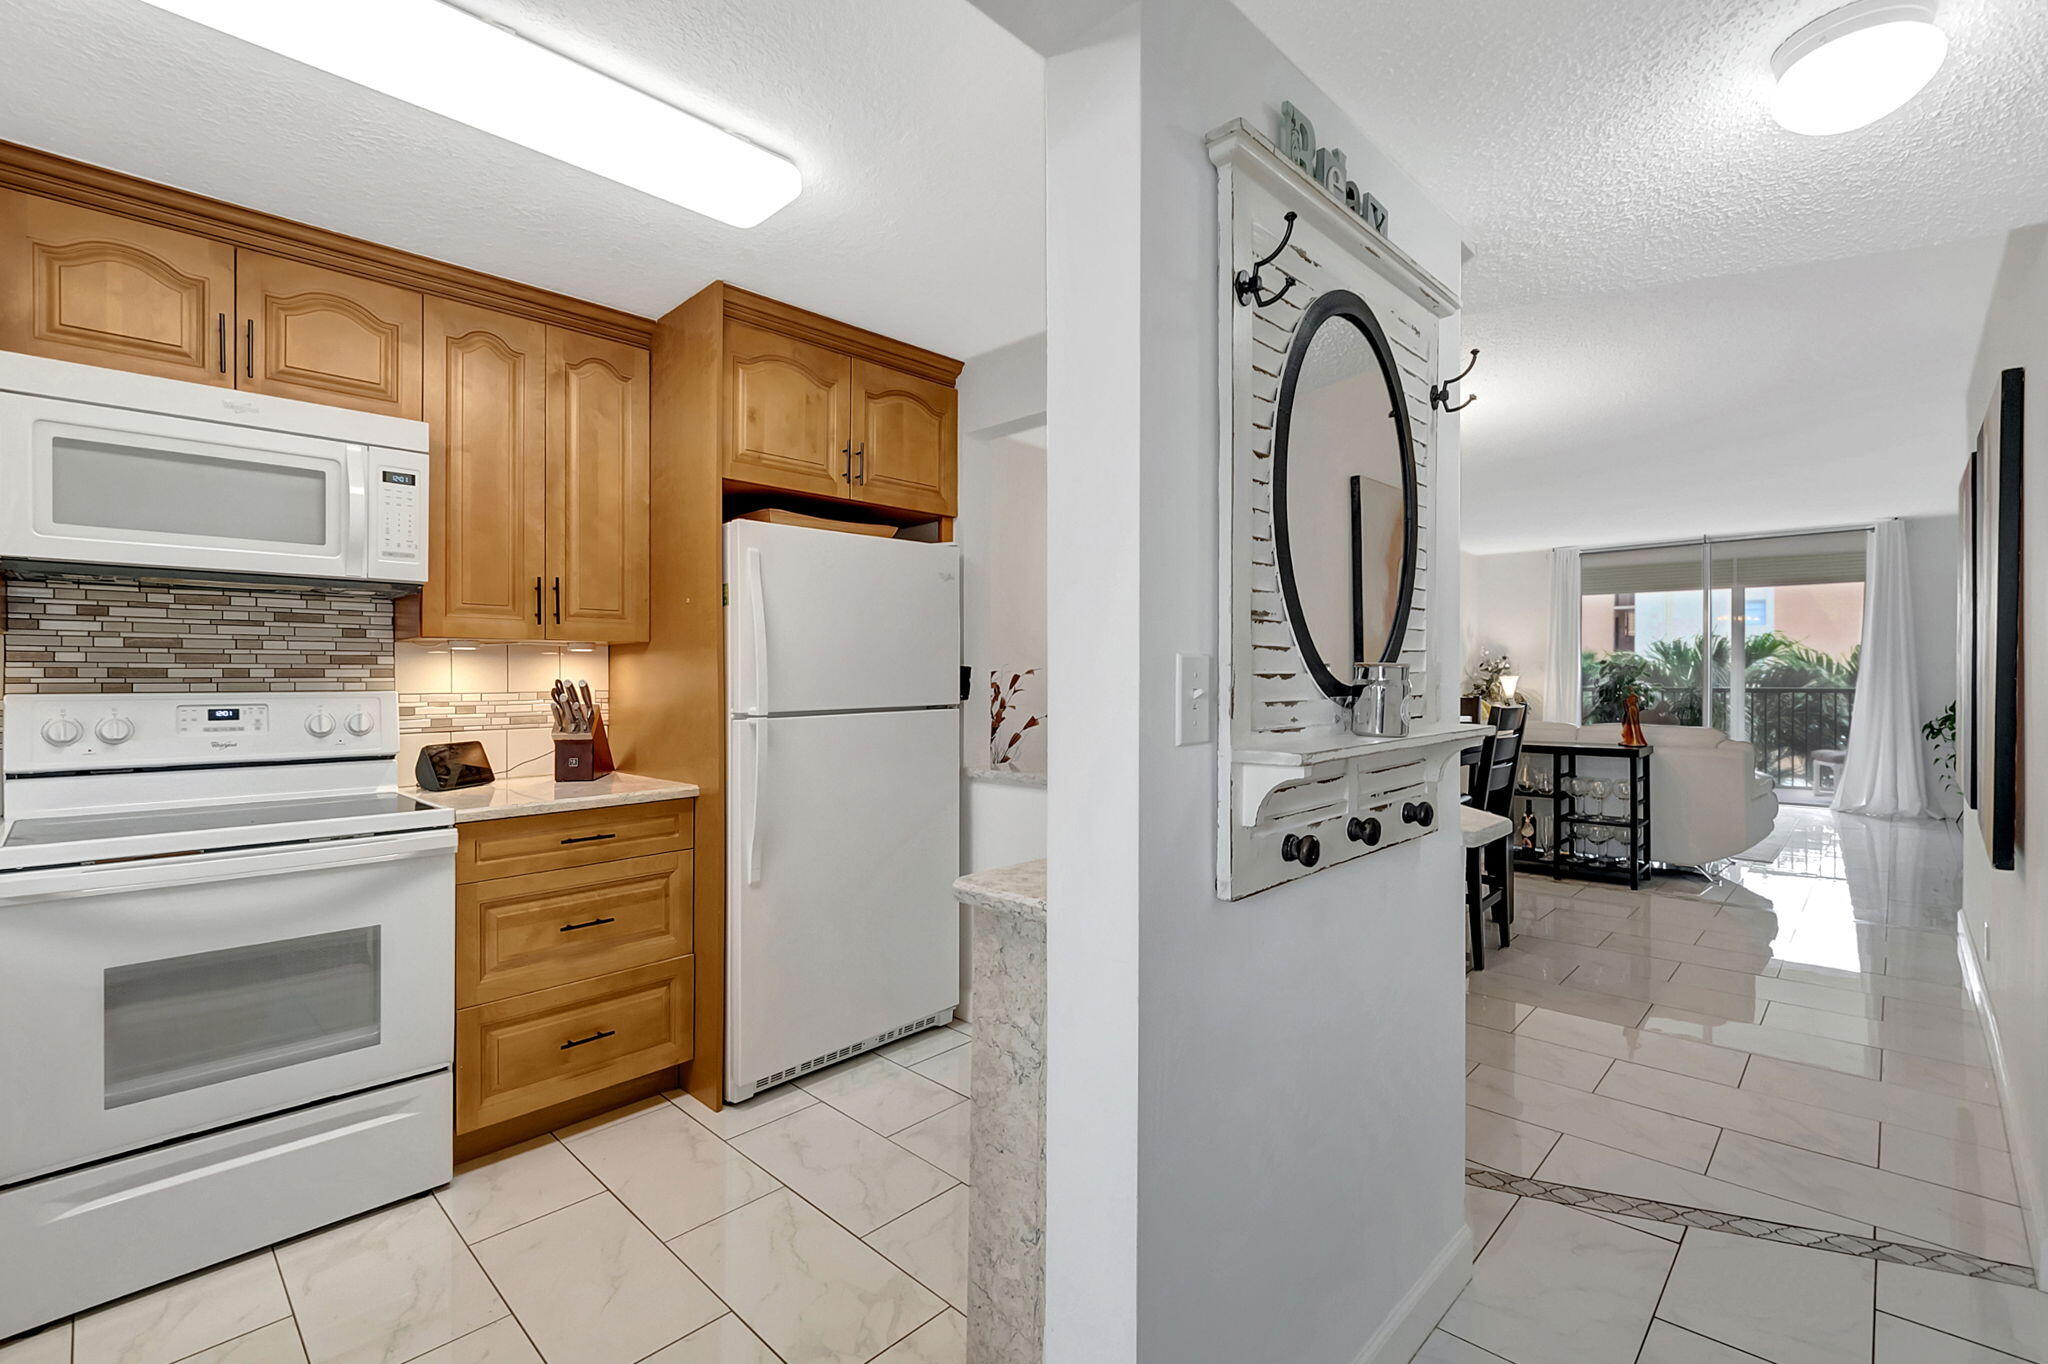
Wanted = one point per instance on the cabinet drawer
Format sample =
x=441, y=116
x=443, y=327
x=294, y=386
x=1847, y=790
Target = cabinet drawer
x=519, y=1055
x=488, y=849
x=521, y=933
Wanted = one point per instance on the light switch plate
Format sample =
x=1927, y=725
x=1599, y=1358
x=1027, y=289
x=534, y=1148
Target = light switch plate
x=1194, y=682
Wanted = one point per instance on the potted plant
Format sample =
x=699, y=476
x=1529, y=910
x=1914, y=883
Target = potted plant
x=1492, y=682
x=1940, y=732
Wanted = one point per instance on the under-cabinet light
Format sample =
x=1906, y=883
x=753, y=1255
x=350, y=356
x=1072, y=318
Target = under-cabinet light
x=1854, y=65
x=451, y=63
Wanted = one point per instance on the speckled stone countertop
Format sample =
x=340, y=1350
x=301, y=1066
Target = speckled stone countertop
x=1007, y=776
x=511, y=797
x=1013, y=890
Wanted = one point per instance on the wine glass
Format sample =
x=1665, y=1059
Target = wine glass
x=1624, y=791
x=1596, y=791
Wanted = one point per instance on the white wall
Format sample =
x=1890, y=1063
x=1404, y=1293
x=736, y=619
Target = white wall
x=1278, y=1080
x=2003, y=909
x=1931, y=564
x=1506, y=606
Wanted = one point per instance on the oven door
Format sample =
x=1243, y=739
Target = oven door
x=107, y=485
x=152, y=999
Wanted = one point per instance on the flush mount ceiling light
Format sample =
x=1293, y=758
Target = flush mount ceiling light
x=1854, y=65
x=450, y=63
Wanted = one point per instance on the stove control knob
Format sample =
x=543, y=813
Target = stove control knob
x=115, y=730
x=361, y=723
x=58, y=733
x=319, y=724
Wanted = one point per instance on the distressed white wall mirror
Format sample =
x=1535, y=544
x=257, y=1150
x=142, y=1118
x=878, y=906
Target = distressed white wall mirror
x=1345, y=493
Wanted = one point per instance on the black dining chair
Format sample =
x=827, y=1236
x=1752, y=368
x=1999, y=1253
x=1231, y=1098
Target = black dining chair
x=1487, y=823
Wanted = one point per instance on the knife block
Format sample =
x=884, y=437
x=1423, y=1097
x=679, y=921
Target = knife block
x=575, y=757
x=601, y=759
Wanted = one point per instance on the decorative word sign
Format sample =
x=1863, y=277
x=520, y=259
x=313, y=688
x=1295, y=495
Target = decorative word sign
x=1326, y=167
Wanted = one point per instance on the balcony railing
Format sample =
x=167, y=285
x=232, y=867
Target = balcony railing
x=1787, y=725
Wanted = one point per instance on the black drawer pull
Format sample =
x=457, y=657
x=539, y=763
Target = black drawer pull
x=587, y=923
x=588, y=838
x=597, y=1036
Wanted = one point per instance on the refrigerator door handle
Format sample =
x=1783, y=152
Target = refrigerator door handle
x=757, y=620
x=757, y=740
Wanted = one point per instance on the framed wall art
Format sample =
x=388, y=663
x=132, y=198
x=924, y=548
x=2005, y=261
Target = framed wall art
x=1992, y=531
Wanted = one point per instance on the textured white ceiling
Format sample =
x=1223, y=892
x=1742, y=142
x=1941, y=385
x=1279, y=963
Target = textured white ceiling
x=918, y=125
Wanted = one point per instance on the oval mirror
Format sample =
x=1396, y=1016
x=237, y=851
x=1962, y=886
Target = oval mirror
x=1343, y=492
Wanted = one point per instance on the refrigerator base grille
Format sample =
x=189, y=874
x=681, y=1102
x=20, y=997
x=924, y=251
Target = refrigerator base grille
x=832, y=1057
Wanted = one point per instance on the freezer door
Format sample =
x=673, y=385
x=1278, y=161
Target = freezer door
x=820, y=620
x=843, y=844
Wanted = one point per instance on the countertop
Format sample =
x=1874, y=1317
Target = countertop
x=1014, y=890
x=1007, y=776
x=511, y=797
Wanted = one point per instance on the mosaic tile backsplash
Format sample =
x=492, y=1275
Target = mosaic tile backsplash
x=79, y=634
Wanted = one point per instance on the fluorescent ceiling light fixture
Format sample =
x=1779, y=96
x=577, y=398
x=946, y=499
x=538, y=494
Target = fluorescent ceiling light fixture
x=1854, y=65
x=454, y=64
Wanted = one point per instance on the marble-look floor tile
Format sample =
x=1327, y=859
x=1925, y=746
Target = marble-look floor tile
x=1587, y=1165
x=515, y=1185
x=277, y=1343
x=1485, y=1210
x=735, y=1119
x=591, y=1285
x=672, y=1173
x=1787, y=1304
x=930, y=1244
x=1700, y=1060
x=879, y=1094
x=1760, y=1115
x=857, y=1178
x=1959, y=1165
x=1444, y=1348
x=1736, y=1008
x=502, y=1342
x=1668, y=1344
x=1535, y=1058
x=1947, y=1217
x=1908, y=1342
x=942, y=1140
x=1917, y=1011
x=1937, y=1114
x=1629, y=965
x=1529, y=965
x=942, y=1340
x=1678, y=1141
x=1504, y=1144
x=953, y=1069
x=184, y=1317
x=1557, y=1286
x=1972, y=1084
x=1556, y=928
x=1934, y=1041
x=386, y=1287
x=807, y=1286
x=725, y=1341
x=1825, y=1052
x=50, y=1345
x=1499, y=1014
x=1889, y=987
x=1775, y=989
x=1690, y=955
x=1559, y=998
x=923, y=1046
x=2001, y=1316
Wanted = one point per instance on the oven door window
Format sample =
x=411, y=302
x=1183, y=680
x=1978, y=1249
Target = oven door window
x=187, y=496
x=182, y=1023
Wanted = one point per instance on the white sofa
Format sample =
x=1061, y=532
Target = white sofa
x=1707, y=800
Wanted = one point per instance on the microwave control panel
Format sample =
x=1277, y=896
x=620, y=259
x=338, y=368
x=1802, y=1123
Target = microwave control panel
x=399, y=497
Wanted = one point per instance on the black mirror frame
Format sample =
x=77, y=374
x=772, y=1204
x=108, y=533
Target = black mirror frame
x=1353, y=309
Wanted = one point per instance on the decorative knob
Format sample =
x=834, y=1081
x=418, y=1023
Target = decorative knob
x=60, y=732
x=1366, y=831
x=1303, y=848
x=1417, y=812
x=319, y=724
x=361, y=723
x=115, y=730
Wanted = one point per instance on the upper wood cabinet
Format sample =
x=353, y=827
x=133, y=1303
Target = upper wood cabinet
x=327, y=337
x=98, y=288
x=905, y=431
x=787, y=403
x=597, y=479
x=486, y=386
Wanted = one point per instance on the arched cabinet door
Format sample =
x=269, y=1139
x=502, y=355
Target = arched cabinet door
x=327, y=337
x=100, y=289
x=904, y=437
x=786, y=413
x=597, y=480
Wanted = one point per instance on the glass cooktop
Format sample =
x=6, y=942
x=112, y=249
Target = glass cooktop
x=227, y=817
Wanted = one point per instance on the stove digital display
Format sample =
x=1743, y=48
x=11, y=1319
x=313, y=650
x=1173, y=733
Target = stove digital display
x=223, y=713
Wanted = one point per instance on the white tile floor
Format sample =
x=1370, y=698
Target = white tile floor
x=1788, y=1042
x=825, y=1221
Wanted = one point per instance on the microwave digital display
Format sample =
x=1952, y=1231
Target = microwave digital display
x=223, y=713
x=408, y=480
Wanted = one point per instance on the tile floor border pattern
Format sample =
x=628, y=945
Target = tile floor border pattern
x=1757, y=1228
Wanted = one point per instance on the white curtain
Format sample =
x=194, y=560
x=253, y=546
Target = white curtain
x=1885, y=772
x=1561, y=679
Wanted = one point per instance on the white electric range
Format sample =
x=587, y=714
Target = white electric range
x=226, y=983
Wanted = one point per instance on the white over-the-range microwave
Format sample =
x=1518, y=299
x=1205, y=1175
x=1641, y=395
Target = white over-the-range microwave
x=101, y=469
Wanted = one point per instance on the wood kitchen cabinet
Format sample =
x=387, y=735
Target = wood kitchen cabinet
x=326, y=337
x=905, y=431
x=101, y=289
x=787, y=405
x=597, y=489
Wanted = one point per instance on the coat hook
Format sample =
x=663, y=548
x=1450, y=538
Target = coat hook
x=1440, y=394
x=1470, y=399
x=1250, y=288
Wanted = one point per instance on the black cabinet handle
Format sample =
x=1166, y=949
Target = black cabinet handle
x=249, y=349
x=220, y=340
x=587, y=923
x=587, y=838
x=847, y=450
x=558, y=601
x=860, y=452
x=597, y=1036
x=536, y=601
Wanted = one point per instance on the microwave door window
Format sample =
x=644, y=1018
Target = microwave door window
x=106, y=489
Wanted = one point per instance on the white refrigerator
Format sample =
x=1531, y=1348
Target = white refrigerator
x=843, y=788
